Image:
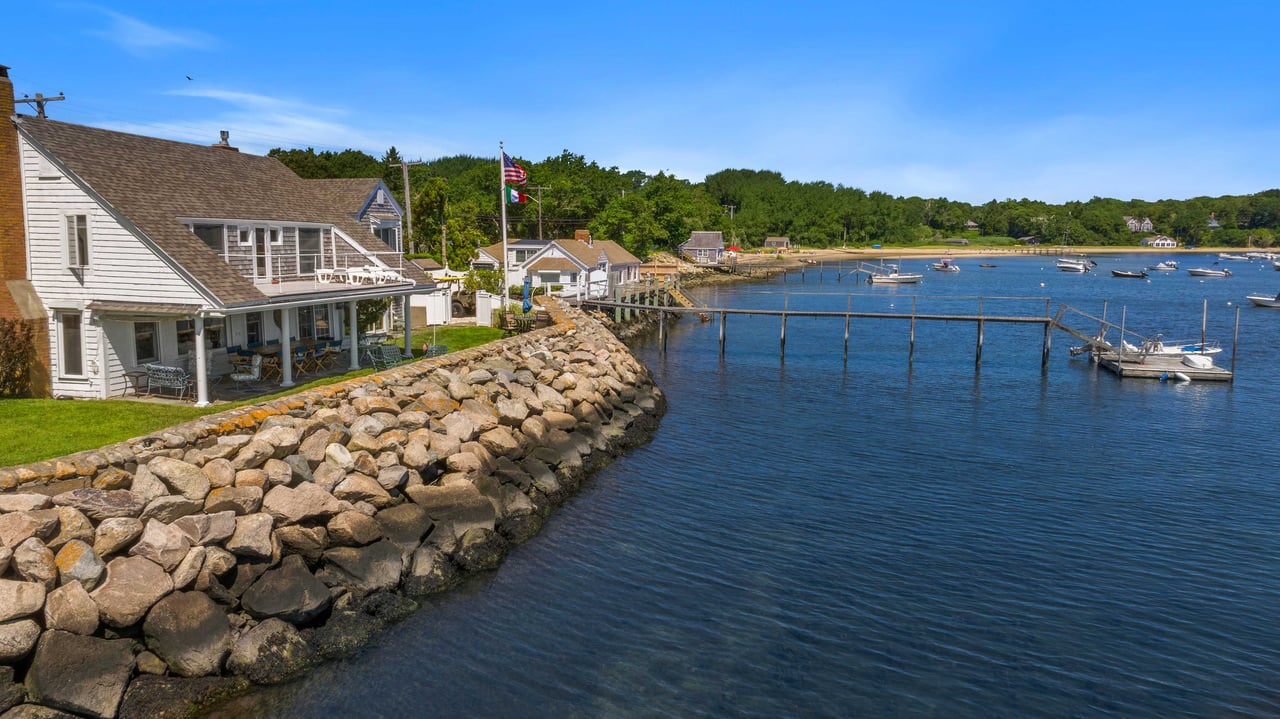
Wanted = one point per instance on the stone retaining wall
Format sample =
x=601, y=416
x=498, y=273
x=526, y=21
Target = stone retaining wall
x=247, y=545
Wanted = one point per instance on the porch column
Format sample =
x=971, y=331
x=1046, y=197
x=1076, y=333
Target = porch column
x=408, y=330
x=286, y=349
x=202, y=366
x=353, y=335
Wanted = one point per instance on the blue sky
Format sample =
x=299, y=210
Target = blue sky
x=973, y=101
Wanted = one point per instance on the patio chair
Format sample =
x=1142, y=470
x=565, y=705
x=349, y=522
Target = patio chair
x=253, y=373
x=387, y=356
x=271, y=367
x=161, y=377
x=328, y=355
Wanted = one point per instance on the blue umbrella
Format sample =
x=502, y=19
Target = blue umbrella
x=526, y=291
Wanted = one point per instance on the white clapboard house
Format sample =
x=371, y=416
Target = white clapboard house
x=568, y=263
x=148, y=251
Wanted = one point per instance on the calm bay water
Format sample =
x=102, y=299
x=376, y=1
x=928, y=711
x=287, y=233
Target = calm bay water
x=815, y=538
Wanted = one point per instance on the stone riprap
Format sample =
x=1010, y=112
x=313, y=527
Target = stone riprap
x=247, y=545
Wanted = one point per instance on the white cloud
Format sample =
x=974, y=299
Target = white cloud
x=257, y=123
x=139, y=38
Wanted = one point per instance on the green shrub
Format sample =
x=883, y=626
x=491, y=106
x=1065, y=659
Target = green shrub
x=17, y=356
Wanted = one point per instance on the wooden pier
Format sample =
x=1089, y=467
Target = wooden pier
x=676, y=304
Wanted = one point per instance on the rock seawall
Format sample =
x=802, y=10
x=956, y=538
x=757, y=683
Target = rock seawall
x=247, y=545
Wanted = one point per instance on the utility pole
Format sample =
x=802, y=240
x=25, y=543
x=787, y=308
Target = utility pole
x=408, y=209
x=539, y=201
x=733, y=231
x=444, y=236
x=39, y=101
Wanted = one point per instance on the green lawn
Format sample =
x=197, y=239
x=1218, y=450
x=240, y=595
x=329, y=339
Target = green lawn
x=36, y=429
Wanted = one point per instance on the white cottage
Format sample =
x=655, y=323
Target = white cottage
x=562, y=262
x=142, y=250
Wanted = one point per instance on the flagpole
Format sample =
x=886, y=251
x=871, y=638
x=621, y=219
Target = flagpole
x=502, y=202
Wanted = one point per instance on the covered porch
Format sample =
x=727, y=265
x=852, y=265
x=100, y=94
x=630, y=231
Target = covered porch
x=203, y=354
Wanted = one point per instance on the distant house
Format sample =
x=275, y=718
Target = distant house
x=704, y=247
x=956, y=241
x=777, y=244
x=1029, y=240
x=1213, y=221
x=518, y=252
x=561, y=262
x=1136, y=225
x=971, y=226
x=1160, y=241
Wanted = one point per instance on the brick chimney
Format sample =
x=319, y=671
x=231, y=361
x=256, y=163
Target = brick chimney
x=13, y=244
x=583, y=236
x=13, y=235
x=224, y=141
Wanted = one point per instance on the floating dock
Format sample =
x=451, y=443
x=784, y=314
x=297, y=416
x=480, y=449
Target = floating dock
x=1160, y=368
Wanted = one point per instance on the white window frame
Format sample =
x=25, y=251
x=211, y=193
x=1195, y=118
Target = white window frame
x=63, y=344
x=319, y=253
x=72, y=244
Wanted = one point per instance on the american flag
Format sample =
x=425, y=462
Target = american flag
x=511, y=172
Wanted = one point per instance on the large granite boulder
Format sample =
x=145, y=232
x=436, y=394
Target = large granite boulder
x=189, y=632
x=71, y=609
x=78, y=563
x=17, y=637
x=100, y=504
x=364, y=569
x=291, y=505
x=270, y=653
x=133, y=585
x=84, y=675
x=162, y=544
x=186, y=479
x=19, y=599
x=290, y=592
x=455, y=508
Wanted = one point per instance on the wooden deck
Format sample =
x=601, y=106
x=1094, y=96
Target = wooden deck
x=1161, y=368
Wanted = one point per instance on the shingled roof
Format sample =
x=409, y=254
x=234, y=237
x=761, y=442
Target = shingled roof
x=704, y=240
x=589, y=254
x=151, y=183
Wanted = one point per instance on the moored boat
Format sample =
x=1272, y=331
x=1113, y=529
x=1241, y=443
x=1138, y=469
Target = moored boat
x=888, y=274
x=1068, y=264
x=1206, y=272
x=1157, y=347
x=1166, y=266
x=945, y=265
x=1126, y=273
x=1231, y=256
x=1265, y=301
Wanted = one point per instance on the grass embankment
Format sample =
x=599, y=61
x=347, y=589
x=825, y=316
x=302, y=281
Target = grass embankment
x=36, y=429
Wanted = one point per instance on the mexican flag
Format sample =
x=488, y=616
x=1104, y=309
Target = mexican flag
x=514, y=195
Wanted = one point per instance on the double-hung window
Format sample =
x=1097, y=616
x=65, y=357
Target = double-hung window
x=71, y=344
x=77, y=240
x=309, y=249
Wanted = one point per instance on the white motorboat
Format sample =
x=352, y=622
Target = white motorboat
x=1157, y=347
x=1265, y=301
x=889, y=275
x=1067, y=264
x=1166, y=266
x=1206, y=272
x=1276, y=265
x=945, y=265
x=1230, y=256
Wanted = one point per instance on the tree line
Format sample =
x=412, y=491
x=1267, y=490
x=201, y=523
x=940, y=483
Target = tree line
x=455, y=206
